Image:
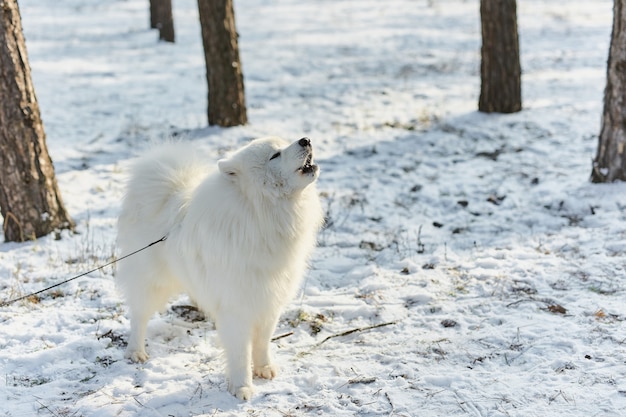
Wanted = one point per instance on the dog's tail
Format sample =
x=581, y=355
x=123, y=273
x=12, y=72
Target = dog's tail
x=159, y=189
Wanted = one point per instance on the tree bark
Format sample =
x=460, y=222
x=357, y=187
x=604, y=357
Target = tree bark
x=500, y=71
x=161, y=18
x=30, y=201
x=227, y=105
x=610, y=162
x=154, y=19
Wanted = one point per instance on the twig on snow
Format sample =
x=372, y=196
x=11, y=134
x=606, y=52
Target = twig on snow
x=393, y=407
x=522, y=300
x=281, y=336
x=47, y=408
x=362, y=380
x=198, y=391
x=357, y=330
x=137, y=401
x=281, y=412
x=557, y=394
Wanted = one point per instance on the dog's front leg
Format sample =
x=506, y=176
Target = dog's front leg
x=136, y=350
x=236, y=336
x=261, y=355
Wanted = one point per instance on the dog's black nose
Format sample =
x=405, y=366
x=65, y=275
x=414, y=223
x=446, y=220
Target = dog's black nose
x=304, y=142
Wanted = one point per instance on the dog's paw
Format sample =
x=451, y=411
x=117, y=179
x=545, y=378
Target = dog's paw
x=136, y=355
x=268, y=371
x=242, y=393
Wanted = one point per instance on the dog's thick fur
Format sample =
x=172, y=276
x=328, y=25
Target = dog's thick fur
x=238, y=241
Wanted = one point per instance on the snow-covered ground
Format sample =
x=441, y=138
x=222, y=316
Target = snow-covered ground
x=468, y=267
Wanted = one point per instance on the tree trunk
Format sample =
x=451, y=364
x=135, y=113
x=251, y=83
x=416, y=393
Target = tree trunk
x=500, y=72
x=161, y=18
x=30, y=202
x=227, y=105
x=610, y=162
x=154, y=19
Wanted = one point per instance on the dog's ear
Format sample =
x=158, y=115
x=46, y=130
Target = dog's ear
x=228, y=168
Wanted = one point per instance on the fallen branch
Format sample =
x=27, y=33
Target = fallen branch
x=393, y=407
x=43, y=406
x=532, y=300
x=362, y=380
x=522, y=300
x=281, y=336
x=357, y=330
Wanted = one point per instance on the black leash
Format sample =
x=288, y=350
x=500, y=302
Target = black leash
x=6, y=303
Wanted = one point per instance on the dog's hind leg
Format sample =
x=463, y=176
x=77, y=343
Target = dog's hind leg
x=235, y=334
x=261, y=356
x=143, y=304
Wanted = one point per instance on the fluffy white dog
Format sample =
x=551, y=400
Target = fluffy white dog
x=238, y=241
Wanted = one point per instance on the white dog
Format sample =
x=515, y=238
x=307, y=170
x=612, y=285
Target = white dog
x=238, y=241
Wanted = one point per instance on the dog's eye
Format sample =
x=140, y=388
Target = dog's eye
x=276, y=155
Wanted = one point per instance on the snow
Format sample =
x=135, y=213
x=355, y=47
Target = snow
x=482, y=272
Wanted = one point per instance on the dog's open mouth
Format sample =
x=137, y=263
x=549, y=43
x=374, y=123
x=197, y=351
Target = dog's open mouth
x=309, y=167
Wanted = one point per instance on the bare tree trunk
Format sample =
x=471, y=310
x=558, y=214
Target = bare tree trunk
x=166, y=21
x=227, y=105
x=500, y=71
x=610, y=162
x=30, y=201
x=154, y=19
x=161, y=18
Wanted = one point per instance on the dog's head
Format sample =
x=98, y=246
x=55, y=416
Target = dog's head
x=272, y=165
